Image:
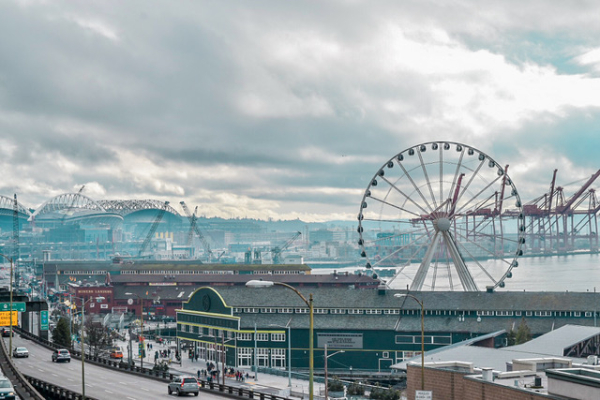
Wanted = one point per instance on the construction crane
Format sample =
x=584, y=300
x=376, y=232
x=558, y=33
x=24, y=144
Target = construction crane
x=276, y=251
x=16, y=254
x=62, y=221
x=153, y=228
x=194, y=228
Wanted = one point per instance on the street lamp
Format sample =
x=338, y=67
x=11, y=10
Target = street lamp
x=309, y=303
x=289, y=338
x=83, y=303
x=141, y=325
x=326, y=377
x=399, y=295
x=11, y=304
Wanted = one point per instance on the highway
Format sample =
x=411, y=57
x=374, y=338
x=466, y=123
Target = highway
x=101, y=383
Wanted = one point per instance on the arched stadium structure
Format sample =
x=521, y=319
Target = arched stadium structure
x=75, y=226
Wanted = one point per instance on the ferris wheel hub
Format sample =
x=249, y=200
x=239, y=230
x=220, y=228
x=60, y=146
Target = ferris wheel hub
x=442, y=224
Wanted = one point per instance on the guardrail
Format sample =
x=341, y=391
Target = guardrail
x=214, y=387
x=52, y=391
x=23, y=388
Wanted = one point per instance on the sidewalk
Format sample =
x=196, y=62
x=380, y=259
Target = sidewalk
x=262, y=382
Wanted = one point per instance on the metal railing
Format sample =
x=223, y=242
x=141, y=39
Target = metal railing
x=25, y=390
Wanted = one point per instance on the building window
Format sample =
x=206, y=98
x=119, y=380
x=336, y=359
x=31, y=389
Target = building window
x=588, y=313
x=528, y=313
x=338, y=311
x=400, y=339
x=320, y=311
x=251, y=310
x=238, y=310
x=267, y=310
x=262, y=337
x=262, y=357
x=278, y=358
x=373, y=312
x=244, y=336
x=301, y=310
x=577, y=314
x=278, y=337
x=244, y=357
x=385, y=354
x=388, y=312
x=355, y=311
x=285, y=310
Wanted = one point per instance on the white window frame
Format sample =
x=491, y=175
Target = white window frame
x=278, y=358
x=262, y=337
x=244, y=356
x=277, y=337
x=244, y=336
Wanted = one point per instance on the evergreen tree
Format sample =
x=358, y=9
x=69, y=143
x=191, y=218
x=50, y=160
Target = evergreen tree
x=511, y=337
x=61, y=334
x=523, y=332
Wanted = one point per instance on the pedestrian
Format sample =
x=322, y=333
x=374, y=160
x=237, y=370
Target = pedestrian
x=198, y=374
x=196, y=355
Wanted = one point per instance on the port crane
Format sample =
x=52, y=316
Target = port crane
x=277, y=250
x=194, y=228
x=153, y=228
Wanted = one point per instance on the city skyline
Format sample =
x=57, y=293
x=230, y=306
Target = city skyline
x=287, y=110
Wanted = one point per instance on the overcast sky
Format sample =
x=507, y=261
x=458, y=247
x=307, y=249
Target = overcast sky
x=286, y=109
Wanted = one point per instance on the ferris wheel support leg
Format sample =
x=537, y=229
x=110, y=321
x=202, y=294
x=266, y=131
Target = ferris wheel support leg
x=419, y=280
x=465, y=277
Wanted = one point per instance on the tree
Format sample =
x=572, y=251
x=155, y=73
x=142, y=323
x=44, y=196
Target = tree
x=61, y=334
x=335, y=385
x=97, y=337
x=523, y=332
x=511, y=337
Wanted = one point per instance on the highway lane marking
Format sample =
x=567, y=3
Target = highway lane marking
x=108, y=391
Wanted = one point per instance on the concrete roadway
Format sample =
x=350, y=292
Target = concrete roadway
x=101, y=383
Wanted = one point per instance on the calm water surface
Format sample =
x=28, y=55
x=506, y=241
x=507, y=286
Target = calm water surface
x=574, y=273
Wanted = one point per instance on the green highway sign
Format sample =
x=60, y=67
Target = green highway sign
x=44, y=320
x=16, y=306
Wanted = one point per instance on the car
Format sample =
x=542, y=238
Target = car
x=20, y=352
x=116, y=354
x=6, y=331
x=7, y=392
x=182, y=384
x=61, y=355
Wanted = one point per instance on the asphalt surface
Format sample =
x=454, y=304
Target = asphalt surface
x=101, y=383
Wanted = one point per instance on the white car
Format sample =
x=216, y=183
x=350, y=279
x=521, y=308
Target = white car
x=20, y=352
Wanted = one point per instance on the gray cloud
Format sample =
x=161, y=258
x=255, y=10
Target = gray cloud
x=286, y=109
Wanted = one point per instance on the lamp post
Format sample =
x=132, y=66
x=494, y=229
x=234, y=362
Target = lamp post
x=141, y=326
x=326, y=377
x=399, y=295
x=83, y=303
x=309, y=303
x=11, y=305
x=289, y=340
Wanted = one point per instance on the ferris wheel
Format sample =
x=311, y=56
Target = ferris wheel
x=442, y=216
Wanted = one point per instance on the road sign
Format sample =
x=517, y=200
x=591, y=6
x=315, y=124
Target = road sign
x=44, y=320
x=16, y=306
x=5, y=318
x=423, y=395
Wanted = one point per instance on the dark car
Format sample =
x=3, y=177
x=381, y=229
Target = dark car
x=183, y=385
x=6, y=331
x=7, y=392
x=61, y=355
